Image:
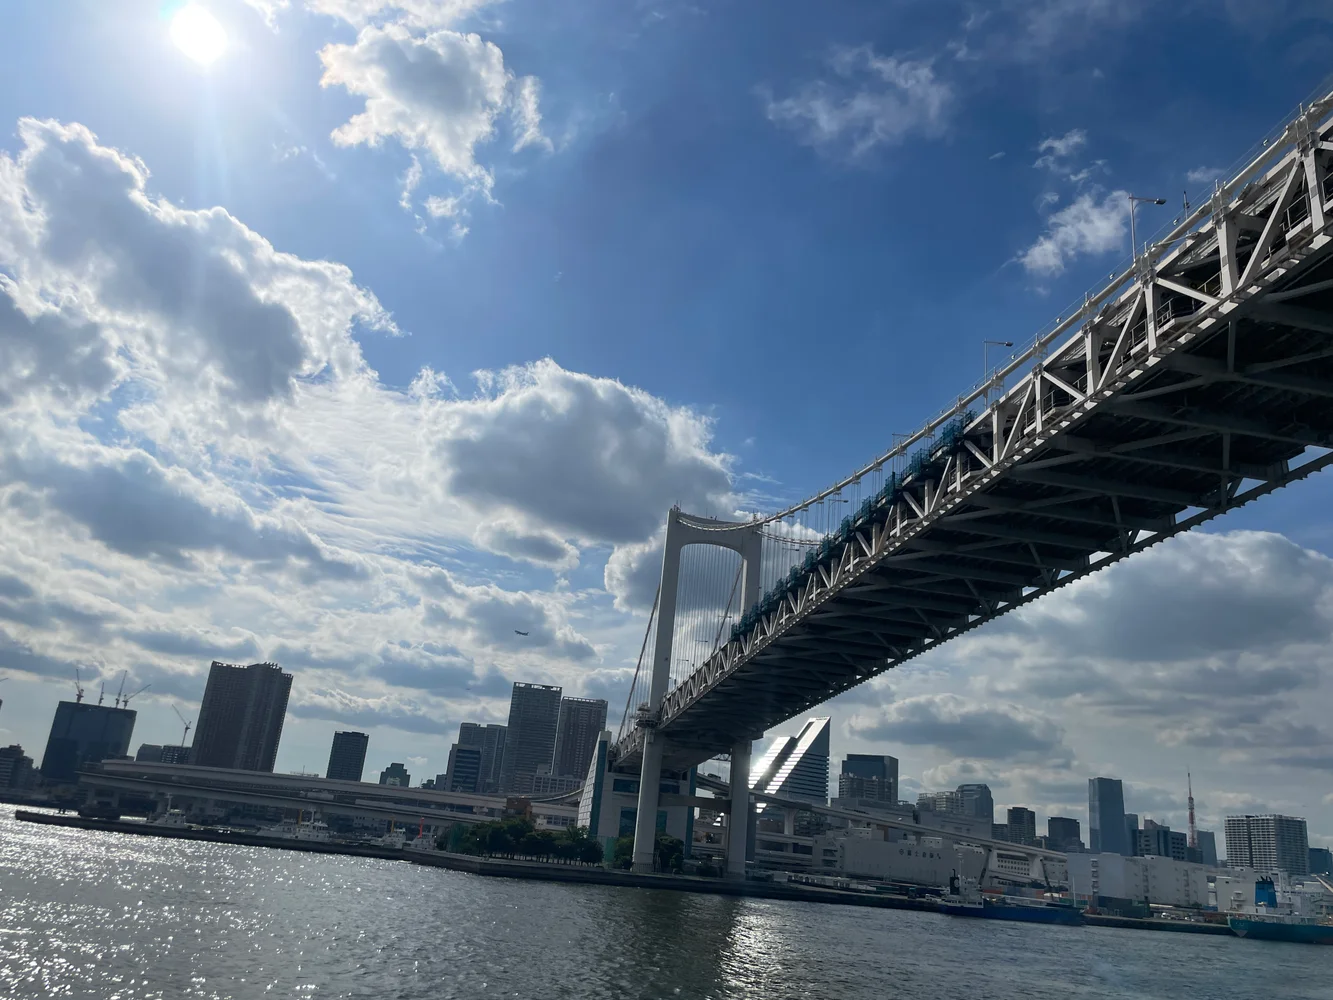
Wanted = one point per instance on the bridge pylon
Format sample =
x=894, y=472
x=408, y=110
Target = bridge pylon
x=682, y=530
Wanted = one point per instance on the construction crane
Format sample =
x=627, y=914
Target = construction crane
x=1194, y=834
x=125, y=702
x=119, y=693
x=187, y=724
x=101, y=692
x=78, y=687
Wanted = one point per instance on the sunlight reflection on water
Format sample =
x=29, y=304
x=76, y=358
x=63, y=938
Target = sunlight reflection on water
x=110, y=916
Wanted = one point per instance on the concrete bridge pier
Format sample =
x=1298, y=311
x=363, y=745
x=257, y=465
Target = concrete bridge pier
x=738, y=820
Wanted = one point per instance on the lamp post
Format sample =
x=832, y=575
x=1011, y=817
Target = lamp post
x=1134, y=199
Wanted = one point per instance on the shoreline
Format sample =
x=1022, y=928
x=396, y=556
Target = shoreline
x=570, y=874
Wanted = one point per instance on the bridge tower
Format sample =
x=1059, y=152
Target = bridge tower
x=682, y=530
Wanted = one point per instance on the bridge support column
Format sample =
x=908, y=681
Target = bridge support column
x=645, y=817
x=738, y=820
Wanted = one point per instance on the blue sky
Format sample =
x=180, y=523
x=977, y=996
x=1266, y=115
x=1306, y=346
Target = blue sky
x=754, y=241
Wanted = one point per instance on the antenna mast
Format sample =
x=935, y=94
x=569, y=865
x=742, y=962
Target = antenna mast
x=1194, y=834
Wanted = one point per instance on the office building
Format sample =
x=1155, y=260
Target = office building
x=490, y=741
x=15, y=767
x=241, y=717
x=169, y=754
x=82, y=733
x=1268, y=844
x=1132, y=830
x=464, y=774
x=347, y=756
x=581, y=722
x=999, y=831
x=977, y=801
x=1207, y=847
x=396, y=774
x=796, y=767
x=1063, y=834
x=1022, y=825
x=940, y=802
x=1160, y=841
x=869, y=776
x=1107, y=832
x=1321, y=861
x=534, y=718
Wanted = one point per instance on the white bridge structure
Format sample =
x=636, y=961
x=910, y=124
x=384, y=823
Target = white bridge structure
x=1197, y=380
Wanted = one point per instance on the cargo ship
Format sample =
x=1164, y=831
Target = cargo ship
x=1278, y=914
x=964, y=899
x=1296, y=930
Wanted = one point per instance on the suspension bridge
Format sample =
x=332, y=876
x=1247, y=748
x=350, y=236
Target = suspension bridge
x=1198, y=379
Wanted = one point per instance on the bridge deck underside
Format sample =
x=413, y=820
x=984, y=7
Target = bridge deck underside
x=1213, y=426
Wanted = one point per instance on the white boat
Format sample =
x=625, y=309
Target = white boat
x=172, y=817
x=316, y=831
x=394, y=839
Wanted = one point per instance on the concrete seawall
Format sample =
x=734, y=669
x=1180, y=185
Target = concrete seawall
x=574, y=874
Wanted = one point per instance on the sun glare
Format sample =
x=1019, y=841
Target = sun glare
x=198, y=34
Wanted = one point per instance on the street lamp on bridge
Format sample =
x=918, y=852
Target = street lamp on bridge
x=1134, y=200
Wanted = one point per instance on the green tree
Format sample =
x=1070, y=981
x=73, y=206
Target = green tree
x=668, y=853
x=624, y=853
x=590, y=852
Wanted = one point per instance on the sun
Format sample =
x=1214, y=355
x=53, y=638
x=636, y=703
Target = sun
x=198, y=34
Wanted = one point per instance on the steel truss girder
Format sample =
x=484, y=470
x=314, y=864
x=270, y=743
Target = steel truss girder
x=1200, y=282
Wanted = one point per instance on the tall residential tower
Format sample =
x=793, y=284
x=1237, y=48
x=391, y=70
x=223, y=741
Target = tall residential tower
x=240, y=720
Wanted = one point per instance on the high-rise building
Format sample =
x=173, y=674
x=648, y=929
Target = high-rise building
x=464, y=774
x=1268, y=844
x=1207, y=847
x=490, y=741
x=1022, y=825
x=15, y=767
x=1158, y=840
x=869, y=776
x=82, y=733
x=581, y=722
x=347, y=756
x=396, y=774
x=534, y=718
x=1107, y=832
x=1062, y=834
x=977, y=801
x=796, y=767
x=1321, y=861
x=152, y=753
x=241, y=717
x=940, y=802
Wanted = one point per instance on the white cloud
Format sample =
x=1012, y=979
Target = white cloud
x=195, y=461
x=413, y=13
x=993, y=731
x=1204, y=175
x=268, y=9
x=1085, y=226
x=1056, y=149
x=440, y=93
x=872, y=101
x=527, y=115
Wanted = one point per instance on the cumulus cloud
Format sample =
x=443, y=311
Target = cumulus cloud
x=586, y=456
x=870, y=101
x=190, y=298
x=1087, y=225
x=196, y=463
x=440, y=92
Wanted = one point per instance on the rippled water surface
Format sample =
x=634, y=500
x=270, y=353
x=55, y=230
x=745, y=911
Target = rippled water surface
x=87, y=914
